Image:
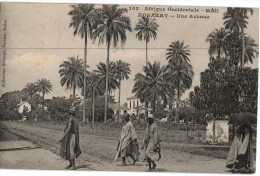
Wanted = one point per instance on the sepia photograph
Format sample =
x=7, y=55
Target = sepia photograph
x=124, y=87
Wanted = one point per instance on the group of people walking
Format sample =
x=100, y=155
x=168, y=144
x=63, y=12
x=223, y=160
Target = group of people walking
x=127, y=143
x=240, y=157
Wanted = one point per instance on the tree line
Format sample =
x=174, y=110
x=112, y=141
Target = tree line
x=108, y=25
x=227, y=86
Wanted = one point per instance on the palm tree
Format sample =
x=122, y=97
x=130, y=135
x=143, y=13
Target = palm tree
x=180, y=75
x=44, y=86
x=101, y=72
x=122, y=70
x=111, y=28
x=93, y=90
x=177, y=52
x=235, y=20
x=235, y=49
x=218, y=42
x=179, y=71
x=82, y=19
x=31, y=89
x=152, y=85
x=146, y=28
x=72, y=74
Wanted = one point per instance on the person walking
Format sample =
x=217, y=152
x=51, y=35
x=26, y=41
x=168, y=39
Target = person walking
x=241, y=156
x=151, y=143
x=127, y=144
x=70, y=148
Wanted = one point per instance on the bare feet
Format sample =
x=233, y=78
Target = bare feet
x=69, y=166
x=154, y=165
x=72, y=168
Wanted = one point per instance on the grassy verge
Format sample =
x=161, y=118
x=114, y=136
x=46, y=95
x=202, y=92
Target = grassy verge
x=168, y=132
x=174, y=138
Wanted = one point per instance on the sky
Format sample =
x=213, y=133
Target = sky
x=39, y=40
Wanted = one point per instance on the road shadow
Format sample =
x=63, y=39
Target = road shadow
x=157, y=170
x=137, y=164
x=130, y=164
x=84, y=166
x=21, y=148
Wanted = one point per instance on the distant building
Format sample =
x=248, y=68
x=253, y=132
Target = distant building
x=133, y=102
x=115, y=108
x=135, y=106
x=24, y=104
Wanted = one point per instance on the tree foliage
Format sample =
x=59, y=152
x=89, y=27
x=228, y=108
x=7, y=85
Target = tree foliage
x=152, y=85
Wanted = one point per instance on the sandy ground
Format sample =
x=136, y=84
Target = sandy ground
x=20, y=154
x=97, y=153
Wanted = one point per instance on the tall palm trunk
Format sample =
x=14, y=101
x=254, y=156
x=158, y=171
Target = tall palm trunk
x=146, y=108
x=43, y=94
x=119, y=94
x=93, y=107
x=146, y=51
x=243, y=49
x=177, y=105
x=109, y=97
x=73, y=100
x=105, y=113
x=146, y=62
x=85, y=79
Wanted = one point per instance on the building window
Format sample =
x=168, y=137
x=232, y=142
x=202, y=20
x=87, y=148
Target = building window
x=130, y=104
x=133, y=104
x=137, y=103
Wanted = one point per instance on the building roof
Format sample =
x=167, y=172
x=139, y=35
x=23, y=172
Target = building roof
x=27, y=102
x=22, y=103
x=131, y=98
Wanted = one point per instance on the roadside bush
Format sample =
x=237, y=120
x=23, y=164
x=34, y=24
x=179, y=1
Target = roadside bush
x=141, y=116
x=160, y=113
x=171, y=115
x=39, y=114
x=60, y=116
x=59, y=107
x=99, y=114
x=7, y=114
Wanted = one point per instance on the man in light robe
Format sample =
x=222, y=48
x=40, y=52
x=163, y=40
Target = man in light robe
x=151, y=144
x=128, y=145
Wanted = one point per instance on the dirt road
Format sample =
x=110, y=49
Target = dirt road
x=18, y=153
x=97, y=153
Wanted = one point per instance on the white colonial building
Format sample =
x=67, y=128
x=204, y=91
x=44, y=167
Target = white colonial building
x=135, y=106
x=22, y=105
x=133, y=102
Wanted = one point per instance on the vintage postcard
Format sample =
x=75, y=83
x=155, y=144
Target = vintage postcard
x=144, y=88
